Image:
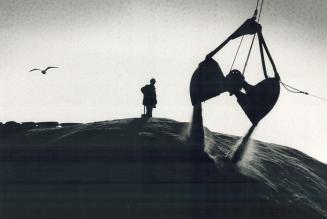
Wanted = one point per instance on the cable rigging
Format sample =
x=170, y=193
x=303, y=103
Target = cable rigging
x=286, y=86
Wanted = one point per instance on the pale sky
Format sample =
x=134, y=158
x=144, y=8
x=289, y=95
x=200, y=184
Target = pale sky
x=107, y=50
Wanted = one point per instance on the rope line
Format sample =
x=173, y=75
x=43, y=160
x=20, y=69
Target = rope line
x=248, y=56
x=249, y=53
x=321, y=98
x=293, y=89
x=260, y=10
x=236, y=54
x=256, y=7
x=239, y=46
x=297, y=91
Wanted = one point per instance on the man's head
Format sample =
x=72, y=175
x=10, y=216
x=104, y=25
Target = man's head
x=152, y=81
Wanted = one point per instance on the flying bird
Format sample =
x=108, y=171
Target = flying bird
x=43, y=71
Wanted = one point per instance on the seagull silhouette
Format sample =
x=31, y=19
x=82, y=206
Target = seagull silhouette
x=43, y=71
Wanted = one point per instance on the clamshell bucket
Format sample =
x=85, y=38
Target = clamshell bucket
x=259, y=99
x=207, y=81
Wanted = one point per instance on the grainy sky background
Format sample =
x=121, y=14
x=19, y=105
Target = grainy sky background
x=107, y=50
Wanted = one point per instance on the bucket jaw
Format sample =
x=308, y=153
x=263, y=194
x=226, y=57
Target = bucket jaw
x=260, y=99
x=207, y=82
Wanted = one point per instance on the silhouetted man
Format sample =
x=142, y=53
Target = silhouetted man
x=149, y=97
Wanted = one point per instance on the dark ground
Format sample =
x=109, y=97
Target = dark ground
x=137, y=168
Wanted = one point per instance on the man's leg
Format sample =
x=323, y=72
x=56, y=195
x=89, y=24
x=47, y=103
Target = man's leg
x=148, y=111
